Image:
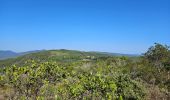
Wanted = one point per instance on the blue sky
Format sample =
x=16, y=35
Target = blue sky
x=122, y=26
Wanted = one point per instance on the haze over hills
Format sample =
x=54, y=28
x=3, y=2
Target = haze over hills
x=5, y=54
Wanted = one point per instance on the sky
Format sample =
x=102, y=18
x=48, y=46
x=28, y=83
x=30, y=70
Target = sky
x=119, y=26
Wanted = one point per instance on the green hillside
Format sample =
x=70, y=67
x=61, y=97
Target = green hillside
x=54, y=55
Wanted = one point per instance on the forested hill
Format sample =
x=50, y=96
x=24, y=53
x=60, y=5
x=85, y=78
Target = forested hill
x=62, y=55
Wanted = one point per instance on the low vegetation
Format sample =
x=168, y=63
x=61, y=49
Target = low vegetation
x=65, y=75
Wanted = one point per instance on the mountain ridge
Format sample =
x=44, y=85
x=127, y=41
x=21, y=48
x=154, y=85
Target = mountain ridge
x=6, y=54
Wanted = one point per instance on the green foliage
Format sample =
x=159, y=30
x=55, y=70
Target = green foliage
x=49, y=80
x=158, y=55
x=86, y=76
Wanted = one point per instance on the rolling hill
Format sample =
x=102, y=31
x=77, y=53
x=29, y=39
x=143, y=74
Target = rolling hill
x=11, y=54
x=61, y=56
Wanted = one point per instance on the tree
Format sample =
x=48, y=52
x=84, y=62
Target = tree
x=158, y=55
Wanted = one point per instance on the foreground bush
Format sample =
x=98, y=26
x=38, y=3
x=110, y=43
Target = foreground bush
x=48, y=80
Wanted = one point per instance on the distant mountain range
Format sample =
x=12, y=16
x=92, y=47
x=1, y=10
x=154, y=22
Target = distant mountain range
x=5, y=54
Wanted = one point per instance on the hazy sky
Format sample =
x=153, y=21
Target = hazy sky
x=122, y=26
